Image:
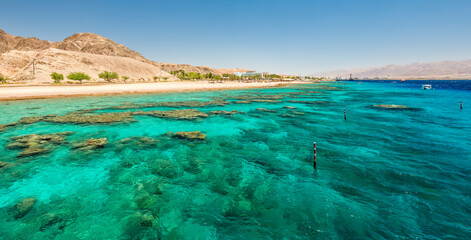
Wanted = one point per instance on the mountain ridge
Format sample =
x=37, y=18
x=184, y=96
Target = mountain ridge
x=419, y=70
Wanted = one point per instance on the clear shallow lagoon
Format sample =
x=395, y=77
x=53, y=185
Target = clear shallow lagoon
x=382, y=174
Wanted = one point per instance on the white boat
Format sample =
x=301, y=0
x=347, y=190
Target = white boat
x=426, y=86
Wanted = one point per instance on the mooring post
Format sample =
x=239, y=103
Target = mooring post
x=461, y=105
x=315, y=157
x=344, y=114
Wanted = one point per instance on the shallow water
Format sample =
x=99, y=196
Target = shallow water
x=382, y=174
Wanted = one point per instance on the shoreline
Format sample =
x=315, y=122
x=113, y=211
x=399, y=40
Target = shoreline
x=12, y=93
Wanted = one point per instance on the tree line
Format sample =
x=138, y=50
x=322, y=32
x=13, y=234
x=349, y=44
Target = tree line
x=80, y=76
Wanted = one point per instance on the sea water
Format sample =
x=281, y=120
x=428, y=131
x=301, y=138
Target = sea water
x=381, y=174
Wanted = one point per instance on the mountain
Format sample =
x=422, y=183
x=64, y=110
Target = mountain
x=96, y=44
x=33, y=60
x=433, y=70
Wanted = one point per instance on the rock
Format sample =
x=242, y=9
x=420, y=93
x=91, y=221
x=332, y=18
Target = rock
x=196, y=135
x=91, y=144
x=184, y=114
x=23, y=207
x=289, y=107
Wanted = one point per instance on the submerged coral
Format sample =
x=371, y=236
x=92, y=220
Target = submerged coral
x=35, y=144
x=92, y=118
x=184, y=114
x=138, y=141
x=225, y=112
x=170, y=104
x=4, y=164
x=308, y=102
x=393, y=107
x=242, y=102
x=23, y=207
x=91, y=144
x=4, y=127
x=265, y=110
x=196, y=135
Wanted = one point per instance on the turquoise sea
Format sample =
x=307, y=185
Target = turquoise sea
x=384, y=173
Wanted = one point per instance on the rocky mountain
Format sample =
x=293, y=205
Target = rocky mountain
x=96, y=44
x=433, y=70
x=32, y=60
x=9, y=42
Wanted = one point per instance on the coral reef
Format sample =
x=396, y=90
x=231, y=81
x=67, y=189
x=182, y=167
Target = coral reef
x=4, y=164
x=122, y=117
x=184, y=114
x=91, y=144
x=393, y=107
x=23, y=207
x=265, y=110
x=35, y=144
x=196, y=135
x=225, y=112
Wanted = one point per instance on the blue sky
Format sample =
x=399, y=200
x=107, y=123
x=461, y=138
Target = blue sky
x=295, y=37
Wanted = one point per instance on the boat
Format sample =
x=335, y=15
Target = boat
x=403, y=80
x=426, y=86
x=350, y=78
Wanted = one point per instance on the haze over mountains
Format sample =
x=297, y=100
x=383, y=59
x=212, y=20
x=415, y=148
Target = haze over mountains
x=434, y=70
x=32, y=59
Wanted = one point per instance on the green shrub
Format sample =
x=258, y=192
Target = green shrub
x=57, y=77
x=3, y=79
x=125, y=78
x=78, y=76
x=156, y=78
x=108, y=76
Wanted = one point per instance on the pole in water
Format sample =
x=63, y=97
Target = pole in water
x=461, y=105
x=344, y=114
x=315, y=157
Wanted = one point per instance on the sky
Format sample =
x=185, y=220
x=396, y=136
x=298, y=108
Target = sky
x=288, y=37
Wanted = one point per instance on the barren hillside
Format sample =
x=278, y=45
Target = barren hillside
x=33, y=60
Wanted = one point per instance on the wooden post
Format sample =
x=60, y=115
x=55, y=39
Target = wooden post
x=315, y=157
x=344, y=114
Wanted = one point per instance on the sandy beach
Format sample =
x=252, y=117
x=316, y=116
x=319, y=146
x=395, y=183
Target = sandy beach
x=38, y=92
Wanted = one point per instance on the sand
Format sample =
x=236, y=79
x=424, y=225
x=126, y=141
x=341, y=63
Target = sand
x=37, y=92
